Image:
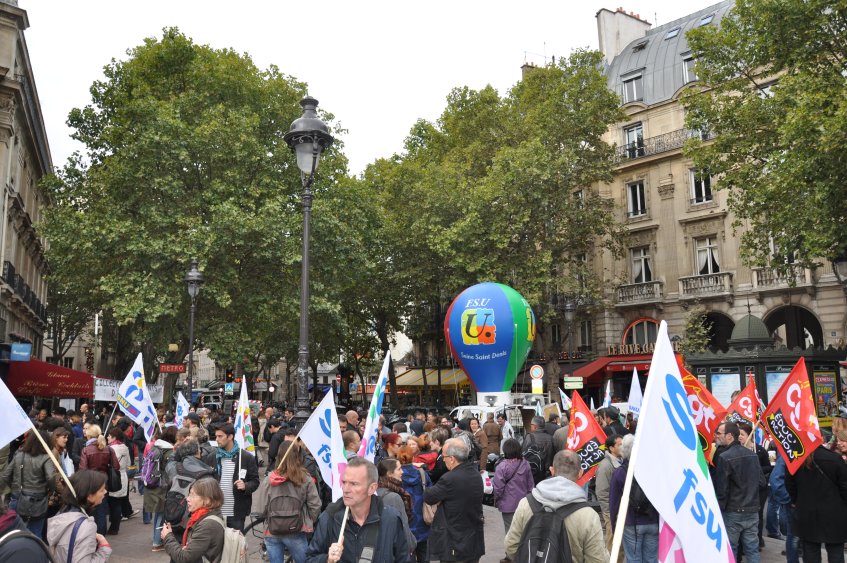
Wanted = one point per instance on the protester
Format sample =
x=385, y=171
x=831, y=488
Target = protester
x=603, y=479
x=493, y=433
x=585, y=533
x=415, y=482
x=21, y=544
x=352, y=441
x=238, y=474
x=370, y=522
x=779, y=494
x=117, y=499
x=747, y=439
x=391, y=442
x=482, y=439
x=97, y=456
x=611, y=421
x=539, y=440
x=641, y=526
x=457, y=530
x=78, y=445
x=438, y=437
x=393, y=494
x=276, y=432
x=289, y=486
x=60, y=441
x=512, y=481
x=203, y=539
x=819, y=492
x=426, y=456
x=30, y=476
x=88, y=546
x=157, y=457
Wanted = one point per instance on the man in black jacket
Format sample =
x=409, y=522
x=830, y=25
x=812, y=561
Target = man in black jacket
x=612, y=421
x=457, y=530
x=232, y=465
x=738, y=477
x=541, y=440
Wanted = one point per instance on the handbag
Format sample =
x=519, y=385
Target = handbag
x=429, y=510
x=29, y=505
x=113, y=480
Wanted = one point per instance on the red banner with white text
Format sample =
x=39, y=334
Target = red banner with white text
x=707, y=411
x=586, y=438
x=747, y=406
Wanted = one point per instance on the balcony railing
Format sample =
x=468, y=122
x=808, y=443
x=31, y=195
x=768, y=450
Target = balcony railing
x=770, y=278
x=659, y=144
x=8, y=272
x=704, y=286
x=633, y=293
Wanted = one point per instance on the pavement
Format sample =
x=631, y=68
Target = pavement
x=134, y=542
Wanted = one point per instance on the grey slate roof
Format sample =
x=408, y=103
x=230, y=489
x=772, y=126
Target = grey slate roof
x=661, y=59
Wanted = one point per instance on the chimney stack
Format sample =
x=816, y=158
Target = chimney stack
x=616, y=30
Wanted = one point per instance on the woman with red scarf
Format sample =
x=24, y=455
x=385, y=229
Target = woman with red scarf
x=203, y=536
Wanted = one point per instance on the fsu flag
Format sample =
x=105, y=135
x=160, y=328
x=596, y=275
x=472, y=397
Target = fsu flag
x=586, y=438
x=747, y=406
x=706, y=411
x=790, y=418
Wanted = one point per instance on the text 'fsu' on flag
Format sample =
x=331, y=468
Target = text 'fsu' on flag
x=243, y=423
x=586, y=438
x=791, y=420
x=322, y=435
x=368, y=447
x=134, y=399
x=708, y=413
x=669, y=465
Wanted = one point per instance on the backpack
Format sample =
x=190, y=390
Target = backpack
x=151, y=474
x=284, y=512
x=176, y=503
x=534, y=455
x=235, y=546
x=545, y=540
x=638, y=500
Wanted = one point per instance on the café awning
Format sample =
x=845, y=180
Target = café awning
x=449, y=377
x=37, y=378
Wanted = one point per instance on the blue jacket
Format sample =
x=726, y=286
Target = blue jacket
x=413, y=485
x=777, y=481
x=391, y=545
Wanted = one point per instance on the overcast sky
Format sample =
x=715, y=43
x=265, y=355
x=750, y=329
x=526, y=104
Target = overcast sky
x=377, y=65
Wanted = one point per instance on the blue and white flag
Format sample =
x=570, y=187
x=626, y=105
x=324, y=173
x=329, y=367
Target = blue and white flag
x=607, y=400
x=566, y=402
x=134, y=399
x=243, y=423
x=15, y=420
x=368, y=447
x=182, y=409
x=635, y=397
x=322, y=435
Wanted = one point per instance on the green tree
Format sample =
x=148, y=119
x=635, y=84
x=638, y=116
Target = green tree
x=774, y=77
x=697, y=332
x=185, y=158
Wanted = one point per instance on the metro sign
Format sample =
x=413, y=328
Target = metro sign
x=171, y=368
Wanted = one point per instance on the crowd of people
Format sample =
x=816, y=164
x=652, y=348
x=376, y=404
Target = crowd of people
x=420, y=500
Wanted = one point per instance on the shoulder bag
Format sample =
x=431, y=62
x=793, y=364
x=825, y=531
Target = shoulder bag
x=429, y=510
x=30, y=505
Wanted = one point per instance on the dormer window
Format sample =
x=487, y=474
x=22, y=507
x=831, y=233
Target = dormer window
x=633, y=89
x=639, y=46
x=706, y=20
x=672, y=33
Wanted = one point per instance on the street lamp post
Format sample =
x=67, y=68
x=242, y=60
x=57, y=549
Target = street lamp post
x=308, y=137
x=839, y=268
x=567, y=304
x=193, y=280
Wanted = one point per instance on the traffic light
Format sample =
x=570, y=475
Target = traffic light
x=230, y=376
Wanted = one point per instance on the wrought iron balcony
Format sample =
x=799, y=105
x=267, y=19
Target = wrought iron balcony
x=767, y=279
x=639, y=293
x=8, y=272
x=709, y=285
x=659, y=144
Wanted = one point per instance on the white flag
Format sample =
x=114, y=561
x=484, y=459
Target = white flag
x=182, y=409
x=15, y=420
x=566, y=401
x=669, y=464
x=368, y=447
x=592, y=405
x=134, y=399
x=322, y=435
x=607, y=400
x=635, y=395
x=243, y=423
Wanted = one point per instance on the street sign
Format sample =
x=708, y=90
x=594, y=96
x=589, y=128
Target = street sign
x=229, y=388
x=572, y=382
x=171, y=368
x=567, y=379
x=536, y=372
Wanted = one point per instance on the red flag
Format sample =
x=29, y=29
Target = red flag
x=586, y=438
x=708, y=412
x=747, y=406
x=791, y=420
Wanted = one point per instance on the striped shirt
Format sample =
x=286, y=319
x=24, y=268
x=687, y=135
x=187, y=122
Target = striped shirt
x=227, y=471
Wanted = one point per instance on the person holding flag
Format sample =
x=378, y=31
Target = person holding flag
x=238, y=474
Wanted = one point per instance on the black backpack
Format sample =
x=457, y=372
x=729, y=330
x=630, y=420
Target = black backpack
x=284, y=512
x=176, y=501
x=534, y=455
x=545, y=540
x=638, y=500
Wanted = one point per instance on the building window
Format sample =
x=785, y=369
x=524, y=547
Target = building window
x=642, y=331
x=633, y=89
x=66, y=362
x=636, y=200
x=585, y=339
x=672, y=33
x=555, y=333
x=642, y=271
x=633, y=137
x=707, y=255
x=706, y=20
x=701, y=186
x=688, y=73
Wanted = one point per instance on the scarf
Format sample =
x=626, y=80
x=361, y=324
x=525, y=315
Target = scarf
x=195, y=517
x=396, y=486
x=222, y=453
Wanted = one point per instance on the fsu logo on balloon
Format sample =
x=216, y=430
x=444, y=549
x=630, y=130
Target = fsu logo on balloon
x=478, y=326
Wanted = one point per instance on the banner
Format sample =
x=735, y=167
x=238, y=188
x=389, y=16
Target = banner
x=747, y=406
x=706, y=411
x=107, y=390
x=634, y=403
x=15, y=420
x=790, y=418
x=243, y=424
x=670, y=550
x=566, y=402
x=681, y=489
x=182, y=409
x=134, y=399
x=368, y=447
x=322, y=435
x=586, y=438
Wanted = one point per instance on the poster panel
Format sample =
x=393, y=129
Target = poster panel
x=725, y=382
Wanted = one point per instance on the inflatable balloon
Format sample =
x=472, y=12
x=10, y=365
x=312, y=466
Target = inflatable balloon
x=490, y=329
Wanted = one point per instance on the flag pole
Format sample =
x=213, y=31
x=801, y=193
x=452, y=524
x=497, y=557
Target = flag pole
x=343, y=523
x=55, y=461
x=110, y=418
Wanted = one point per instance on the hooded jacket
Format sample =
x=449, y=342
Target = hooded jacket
x=583, y=527
x=25, y=546
x=307, y=492
x=512, y=482
x=59, y=530
x=413, y=483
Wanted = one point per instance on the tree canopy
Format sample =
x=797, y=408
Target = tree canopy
x=775, y=97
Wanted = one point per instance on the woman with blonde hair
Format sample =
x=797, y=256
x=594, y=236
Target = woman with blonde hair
x=98, y=456
x=283, y=529
x=203, y=539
